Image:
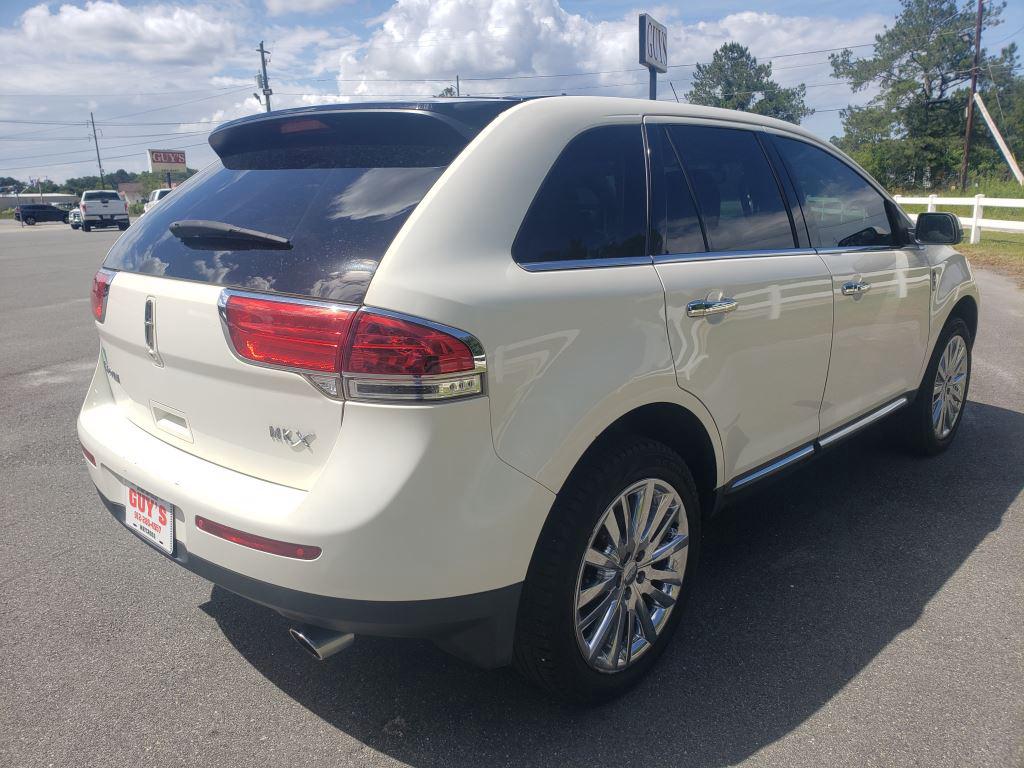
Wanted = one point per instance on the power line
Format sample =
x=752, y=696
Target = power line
x=78, y=95
x=179, y=104
x=115, y=146
x=80, y=162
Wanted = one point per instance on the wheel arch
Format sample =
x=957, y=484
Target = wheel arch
x=681, y=430
x=967, y=310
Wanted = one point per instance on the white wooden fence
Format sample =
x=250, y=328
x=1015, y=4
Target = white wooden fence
x=976, y=222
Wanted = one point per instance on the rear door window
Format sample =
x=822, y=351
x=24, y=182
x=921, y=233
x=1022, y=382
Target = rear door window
x=675, y=226
x=842, y=209
x=592, y=204
x=101, y=197
x=338, y=187
x=737, y=195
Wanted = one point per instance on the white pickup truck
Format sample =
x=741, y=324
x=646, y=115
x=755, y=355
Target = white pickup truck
x=103, y=208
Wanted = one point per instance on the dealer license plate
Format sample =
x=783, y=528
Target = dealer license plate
x=150, y=517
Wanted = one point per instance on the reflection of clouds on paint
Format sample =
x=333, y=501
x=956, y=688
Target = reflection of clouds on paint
x=383, y=193
x=215, y=272
x=347, y=285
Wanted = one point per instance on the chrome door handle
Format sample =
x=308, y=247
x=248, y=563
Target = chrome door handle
x=855, y=288
x=706, y=307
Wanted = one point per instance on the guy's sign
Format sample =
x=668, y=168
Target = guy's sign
x=653, y=44
x=161, y=160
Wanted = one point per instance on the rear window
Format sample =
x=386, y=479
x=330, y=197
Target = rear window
x=109, y=197
x=338, y=186
x=592, y=204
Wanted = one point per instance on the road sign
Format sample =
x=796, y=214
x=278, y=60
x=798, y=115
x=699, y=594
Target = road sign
x=653, y=44
x=161, y=160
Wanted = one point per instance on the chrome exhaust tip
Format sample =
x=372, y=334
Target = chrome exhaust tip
x=320, y=643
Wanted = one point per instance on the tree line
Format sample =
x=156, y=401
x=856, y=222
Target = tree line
x=910, y=133
x=78, y=185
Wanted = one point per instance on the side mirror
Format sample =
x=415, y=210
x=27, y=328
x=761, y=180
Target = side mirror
x=938, y=229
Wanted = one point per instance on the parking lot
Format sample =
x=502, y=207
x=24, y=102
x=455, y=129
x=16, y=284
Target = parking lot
x=868, y=610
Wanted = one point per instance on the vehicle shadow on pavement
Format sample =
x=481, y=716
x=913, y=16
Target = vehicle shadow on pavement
x=801, y=586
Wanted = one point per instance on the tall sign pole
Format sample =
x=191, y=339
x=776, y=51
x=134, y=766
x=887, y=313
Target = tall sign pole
x=970, y=99
x=653, y=50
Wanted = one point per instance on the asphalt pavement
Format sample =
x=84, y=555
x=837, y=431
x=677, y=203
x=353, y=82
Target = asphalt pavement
x=866, y=611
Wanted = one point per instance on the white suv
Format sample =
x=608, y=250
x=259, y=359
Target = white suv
x=477, y=370
x=155, y=197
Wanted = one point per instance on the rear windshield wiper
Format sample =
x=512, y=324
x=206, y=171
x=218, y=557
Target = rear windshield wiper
x=218, y=236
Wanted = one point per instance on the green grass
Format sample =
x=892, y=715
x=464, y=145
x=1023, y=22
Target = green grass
x=1003, y=251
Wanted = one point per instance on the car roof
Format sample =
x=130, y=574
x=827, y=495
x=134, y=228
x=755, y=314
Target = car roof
x=478, y=111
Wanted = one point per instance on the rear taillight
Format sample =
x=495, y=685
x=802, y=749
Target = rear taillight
x=100, y=289
x=286, y=333
x=346, y=351
x=262, y=543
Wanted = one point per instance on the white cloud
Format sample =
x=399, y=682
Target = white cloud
x=98, y=53
x=280, y=7
x=419, y=39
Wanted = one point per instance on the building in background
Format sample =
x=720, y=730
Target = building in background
x=132, y=192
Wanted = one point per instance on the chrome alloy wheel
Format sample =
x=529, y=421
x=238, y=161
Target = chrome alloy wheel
x=948, y=389
x=631, y=575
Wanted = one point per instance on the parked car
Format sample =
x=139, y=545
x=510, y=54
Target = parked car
x=155, y=197
x=416, y=378
x=103, y=208
x=31, y=213
x=75, y=218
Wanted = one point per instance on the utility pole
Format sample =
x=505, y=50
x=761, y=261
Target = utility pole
x=266, y=83
x=970, y=98
x=96, y=144
x=458, y=88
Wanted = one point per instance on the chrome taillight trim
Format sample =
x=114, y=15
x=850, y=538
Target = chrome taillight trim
x=406, y=389
x=370, y=387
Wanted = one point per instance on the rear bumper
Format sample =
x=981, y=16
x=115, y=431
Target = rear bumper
x=478, y=628
x=424, y=531
x=106, y=219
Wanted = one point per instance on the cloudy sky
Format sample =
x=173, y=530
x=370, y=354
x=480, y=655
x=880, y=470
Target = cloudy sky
x=161, y=74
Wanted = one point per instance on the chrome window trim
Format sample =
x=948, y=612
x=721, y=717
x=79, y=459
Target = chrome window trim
x=672, y=258
x=862, y=422
x=859, y=249
x=558, y=266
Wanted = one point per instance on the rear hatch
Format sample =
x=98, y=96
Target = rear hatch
x=325, y=193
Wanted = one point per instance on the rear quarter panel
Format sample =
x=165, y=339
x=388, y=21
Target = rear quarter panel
x=568, y=352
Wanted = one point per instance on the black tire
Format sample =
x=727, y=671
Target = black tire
x=546, y=647
x=86, y=227
x=30, y=220
x=65, y=220
x=917, y=425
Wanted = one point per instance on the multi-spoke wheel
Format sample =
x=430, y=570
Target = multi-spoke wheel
x=934, y=418
x=630, y=575
x=950, y=386
x=612, y=569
